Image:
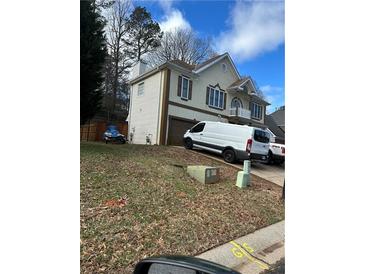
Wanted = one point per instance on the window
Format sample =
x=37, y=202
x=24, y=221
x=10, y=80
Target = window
x=140, y=89
x=184, y=88
x=261, y=136
x=224, y=67
x=236, y=103
x=198, y=128
x=256, y=111
x=216, y=98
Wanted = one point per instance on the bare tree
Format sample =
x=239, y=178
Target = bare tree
x=119, y=60
x=259, y=92
x=184, y=45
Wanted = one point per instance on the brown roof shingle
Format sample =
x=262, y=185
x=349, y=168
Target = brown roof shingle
x=208, y=61
x=183, y=64
x=238, y=82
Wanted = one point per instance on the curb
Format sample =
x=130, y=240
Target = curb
x=251, y=251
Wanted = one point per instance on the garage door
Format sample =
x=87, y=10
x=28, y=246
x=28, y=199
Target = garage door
x=177, y=129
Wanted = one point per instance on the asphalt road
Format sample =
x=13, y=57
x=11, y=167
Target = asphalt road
x=278, y=268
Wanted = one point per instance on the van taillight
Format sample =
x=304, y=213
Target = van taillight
x=249, y=145
x=283, y=150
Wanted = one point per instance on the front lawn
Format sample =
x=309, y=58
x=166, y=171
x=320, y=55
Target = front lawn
x=137, y=201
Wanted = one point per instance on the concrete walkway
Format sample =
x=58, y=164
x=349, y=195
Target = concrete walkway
x=253, y=253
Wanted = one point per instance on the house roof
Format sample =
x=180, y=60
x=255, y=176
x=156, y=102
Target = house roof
x=258, y=99
x=274, y=128
x=194, y=67
x=207, y=62
x=203, y=66
x=183, y=64
x=190, y=68
x=236, y=85
x=239, y=82
x=279, y=116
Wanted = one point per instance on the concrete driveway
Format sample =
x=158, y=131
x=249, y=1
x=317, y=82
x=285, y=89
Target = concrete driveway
x=272, y=173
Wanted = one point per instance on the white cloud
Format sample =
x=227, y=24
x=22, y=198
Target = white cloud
x=269, y=89
x=254, y=27
x=174, y=19
x=166, y=5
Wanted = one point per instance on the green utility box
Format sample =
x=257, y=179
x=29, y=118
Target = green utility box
x=204, y=174
x=243, y=177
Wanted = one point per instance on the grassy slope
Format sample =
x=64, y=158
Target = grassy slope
x=167, y=211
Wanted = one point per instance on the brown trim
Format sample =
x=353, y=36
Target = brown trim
x=213, y=107
x=190, y=89
x=256, y=119
x=217, y=85
x=147, y=74
x=165, y=105
x=197, y=109
x=182, y=119
x=244, y=121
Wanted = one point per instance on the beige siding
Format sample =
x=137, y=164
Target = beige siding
x=144, y=115
x=191, y=114
x=211, y=76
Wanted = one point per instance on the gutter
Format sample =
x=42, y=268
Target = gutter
x=147, y=74
x=157, y=69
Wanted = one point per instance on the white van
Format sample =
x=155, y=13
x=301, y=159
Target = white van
x=233, y=142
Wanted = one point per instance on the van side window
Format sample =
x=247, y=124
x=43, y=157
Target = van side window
x=261, y=136
x=198, y=128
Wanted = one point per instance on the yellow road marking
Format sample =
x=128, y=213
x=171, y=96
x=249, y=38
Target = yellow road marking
x=239, y=252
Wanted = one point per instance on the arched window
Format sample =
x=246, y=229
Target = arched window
x=236, y=103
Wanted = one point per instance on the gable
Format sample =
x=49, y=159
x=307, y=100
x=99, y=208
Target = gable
x=221, y=72
x=219, y=61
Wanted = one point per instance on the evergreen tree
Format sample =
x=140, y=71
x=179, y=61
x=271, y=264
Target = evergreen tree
x=92, y=56
x=143, y=34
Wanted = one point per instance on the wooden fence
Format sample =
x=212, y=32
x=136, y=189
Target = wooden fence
x=94, y=131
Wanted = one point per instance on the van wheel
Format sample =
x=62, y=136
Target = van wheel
x=229, y=156
x=188, y=143
x=269, y=158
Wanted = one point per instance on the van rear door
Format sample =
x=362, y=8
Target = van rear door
x=260, y=142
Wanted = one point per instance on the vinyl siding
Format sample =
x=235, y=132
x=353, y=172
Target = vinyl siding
x=211, y=76
x=145, y=110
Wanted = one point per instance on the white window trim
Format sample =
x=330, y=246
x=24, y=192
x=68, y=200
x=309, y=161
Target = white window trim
x=181, y=88
x=138, y=91
x=253, y=104
x=220, y=94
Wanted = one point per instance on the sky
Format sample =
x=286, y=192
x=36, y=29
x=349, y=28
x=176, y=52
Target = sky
x=252, y=32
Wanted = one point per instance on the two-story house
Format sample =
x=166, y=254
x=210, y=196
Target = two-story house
x=169, y=99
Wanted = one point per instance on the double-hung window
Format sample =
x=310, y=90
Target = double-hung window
x=216, y=98
x=140, y=89
x=185, y=88
x=256, y=111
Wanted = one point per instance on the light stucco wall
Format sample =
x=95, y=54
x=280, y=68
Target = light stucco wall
x=191, y=114
x=144, y=116
x=210, y=76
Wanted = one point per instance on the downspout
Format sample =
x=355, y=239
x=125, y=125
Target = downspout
x=130, y=112
x=159, y=111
